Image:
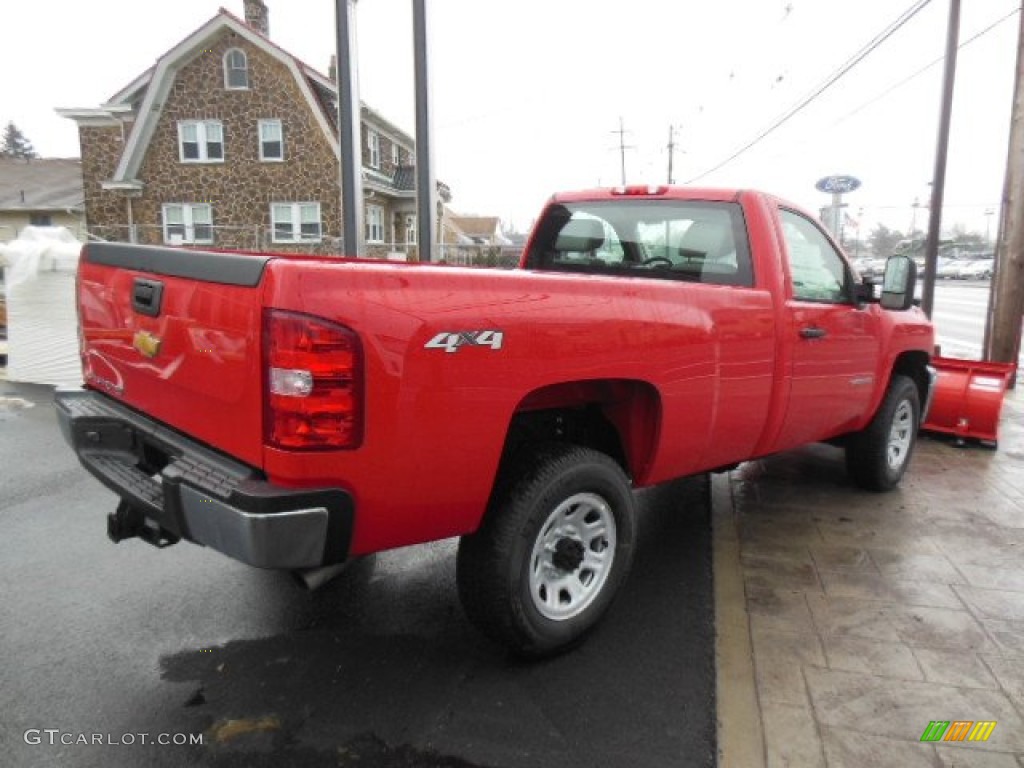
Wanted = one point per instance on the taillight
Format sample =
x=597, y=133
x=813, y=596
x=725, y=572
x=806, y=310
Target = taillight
x=314, y=382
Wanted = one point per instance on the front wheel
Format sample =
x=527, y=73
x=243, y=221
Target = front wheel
x=555, y=546
x=877, y=456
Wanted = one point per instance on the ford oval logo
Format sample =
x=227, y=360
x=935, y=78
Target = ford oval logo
x=837, y=185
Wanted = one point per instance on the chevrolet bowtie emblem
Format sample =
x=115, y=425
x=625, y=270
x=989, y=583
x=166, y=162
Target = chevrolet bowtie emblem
x=147, y=344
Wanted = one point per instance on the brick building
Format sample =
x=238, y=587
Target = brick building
x=230, y=141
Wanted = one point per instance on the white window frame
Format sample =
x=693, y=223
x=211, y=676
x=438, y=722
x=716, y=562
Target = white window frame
x=410, y=229
x=374, y=224
x=204, y=130
x=295, y=221
x=264, y=157
x=396, y=153
x=228, y=69
x=373, y=144
x=188, y=223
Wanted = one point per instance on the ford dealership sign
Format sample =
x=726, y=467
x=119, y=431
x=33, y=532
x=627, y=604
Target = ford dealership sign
x=837, y=185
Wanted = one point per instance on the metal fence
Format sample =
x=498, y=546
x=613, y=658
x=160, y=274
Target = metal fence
x=261, y=239
x=494, y=256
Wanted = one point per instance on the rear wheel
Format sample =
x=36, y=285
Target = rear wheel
x=877, y=457
x=555, y=546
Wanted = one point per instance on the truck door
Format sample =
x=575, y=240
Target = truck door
x=834, y=342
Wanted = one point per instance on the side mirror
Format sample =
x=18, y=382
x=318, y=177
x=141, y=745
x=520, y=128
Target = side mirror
x=898, y=283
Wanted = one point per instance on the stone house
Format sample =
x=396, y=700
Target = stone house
x=230, y=141
x=40, y=192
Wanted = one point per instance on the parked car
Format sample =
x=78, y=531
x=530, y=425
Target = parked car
x=975, y=269
x=948, y=268
x=869, y=266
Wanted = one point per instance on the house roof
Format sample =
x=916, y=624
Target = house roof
x=478, y=226
x=144, y=96
x=52, y=184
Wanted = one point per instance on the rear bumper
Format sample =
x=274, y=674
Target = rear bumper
x=185, y=490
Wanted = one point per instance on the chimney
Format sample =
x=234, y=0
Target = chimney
x=332, y=68
x=257, y=16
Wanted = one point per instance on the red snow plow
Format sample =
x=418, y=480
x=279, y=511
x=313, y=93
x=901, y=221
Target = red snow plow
x=968, y=398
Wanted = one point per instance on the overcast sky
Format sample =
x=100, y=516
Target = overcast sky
x=528, y=94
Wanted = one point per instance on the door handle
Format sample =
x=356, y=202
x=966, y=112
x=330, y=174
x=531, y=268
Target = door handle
x=813, y=332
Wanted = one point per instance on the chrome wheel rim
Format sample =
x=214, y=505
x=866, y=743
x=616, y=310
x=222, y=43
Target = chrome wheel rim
x=901, y=435
x=572, y=557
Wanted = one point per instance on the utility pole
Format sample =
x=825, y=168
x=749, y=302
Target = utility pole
x=622, y=149
x=671, y=151
x=931, y=251
x=1003, y=344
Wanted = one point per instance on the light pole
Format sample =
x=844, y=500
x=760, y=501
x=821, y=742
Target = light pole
x=988, y=226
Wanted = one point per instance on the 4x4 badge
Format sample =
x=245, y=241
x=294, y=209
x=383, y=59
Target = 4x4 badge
x=147, y=344
x=451, y=341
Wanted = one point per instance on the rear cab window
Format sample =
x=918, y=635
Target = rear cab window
x=694, y=241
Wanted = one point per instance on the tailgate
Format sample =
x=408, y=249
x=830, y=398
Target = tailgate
x=176, y=334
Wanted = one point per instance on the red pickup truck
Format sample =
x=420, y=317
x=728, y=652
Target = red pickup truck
x=293, y=412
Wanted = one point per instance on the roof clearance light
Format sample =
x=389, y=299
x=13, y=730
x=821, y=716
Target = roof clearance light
x=640, y=189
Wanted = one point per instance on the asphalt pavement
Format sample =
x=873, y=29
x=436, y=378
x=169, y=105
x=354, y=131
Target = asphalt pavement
x=127, y=644
x=959, y=317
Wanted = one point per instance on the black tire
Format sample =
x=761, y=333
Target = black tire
x=520, y=593
x=877, y=457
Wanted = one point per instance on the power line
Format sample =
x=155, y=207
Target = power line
x=875, y=99
x=874, y=43
x=925, y=68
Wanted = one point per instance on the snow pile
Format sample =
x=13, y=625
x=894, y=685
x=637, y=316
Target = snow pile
x=42, y=322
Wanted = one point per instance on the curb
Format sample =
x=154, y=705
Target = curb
x=740, y=734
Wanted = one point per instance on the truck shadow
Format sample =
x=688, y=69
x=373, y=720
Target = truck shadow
x=382, y=668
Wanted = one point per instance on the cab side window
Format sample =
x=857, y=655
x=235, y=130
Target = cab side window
x=817, y=271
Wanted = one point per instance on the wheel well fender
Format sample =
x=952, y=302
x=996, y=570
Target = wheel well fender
x=914, y=365
x=619, y=417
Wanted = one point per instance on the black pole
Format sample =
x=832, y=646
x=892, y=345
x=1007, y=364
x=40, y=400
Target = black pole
x=349, y=118
x=931, y=253
x=428, y=210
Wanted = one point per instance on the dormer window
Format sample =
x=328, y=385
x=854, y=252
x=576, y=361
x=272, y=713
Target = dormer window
x=236, y=70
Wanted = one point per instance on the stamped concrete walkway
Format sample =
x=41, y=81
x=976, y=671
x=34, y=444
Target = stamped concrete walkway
x=848, y=621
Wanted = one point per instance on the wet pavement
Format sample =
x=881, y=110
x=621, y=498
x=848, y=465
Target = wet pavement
x=846, y=623
x=379, y=668
x=869, y=616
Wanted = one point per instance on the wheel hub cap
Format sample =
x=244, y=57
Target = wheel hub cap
x=901, y=435
x=572, y=556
